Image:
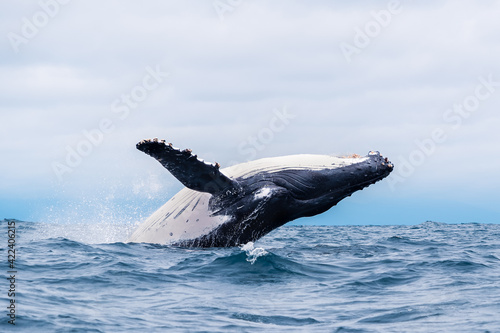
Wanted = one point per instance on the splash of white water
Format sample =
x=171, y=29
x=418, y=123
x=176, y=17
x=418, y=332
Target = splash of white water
x=252, y=252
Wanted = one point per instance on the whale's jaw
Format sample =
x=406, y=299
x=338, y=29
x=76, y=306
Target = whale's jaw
x=316, y=191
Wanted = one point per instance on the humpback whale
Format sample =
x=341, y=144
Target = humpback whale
x=235, y=205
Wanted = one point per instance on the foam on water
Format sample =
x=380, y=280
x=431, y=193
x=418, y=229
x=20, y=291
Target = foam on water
x=252, y=252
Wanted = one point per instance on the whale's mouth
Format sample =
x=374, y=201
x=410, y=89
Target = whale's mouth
x=329, y=183
x=342, y=183
x=355, y=177
x=359, y=186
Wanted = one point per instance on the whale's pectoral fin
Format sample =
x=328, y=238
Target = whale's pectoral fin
x=188, y=169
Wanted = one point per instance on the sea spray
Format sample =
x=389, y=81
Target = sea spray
x=252, y=252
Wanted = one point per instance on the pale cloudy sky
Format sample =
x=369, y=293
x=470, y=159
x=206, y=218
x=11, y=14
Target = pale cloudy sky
x=83, y=81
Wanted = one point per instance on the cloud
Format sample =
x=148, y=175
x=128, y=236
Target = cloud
x=227, y=76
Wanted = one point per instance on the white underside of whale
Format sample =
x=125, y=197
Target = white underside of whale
x=186, y=215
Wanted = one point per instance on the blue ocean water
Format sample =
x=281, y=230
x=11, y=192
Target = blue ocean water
x=430, y=277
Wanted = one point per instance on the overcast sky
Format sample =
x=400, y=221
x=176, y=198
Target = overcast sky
x=83, y=81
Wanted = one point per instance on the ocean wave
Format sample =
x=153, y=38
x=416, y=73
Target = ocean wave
x=432, y=277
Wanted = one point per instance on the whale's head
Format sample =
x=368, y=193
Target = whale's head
x=315, y=183
x=340, y=178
